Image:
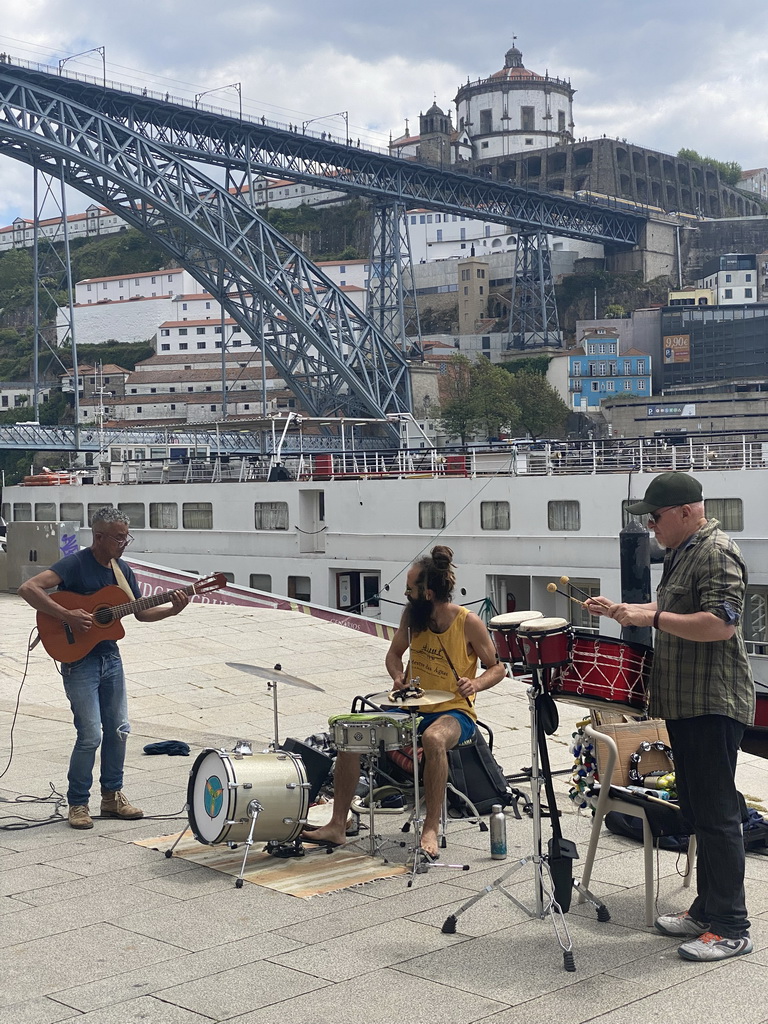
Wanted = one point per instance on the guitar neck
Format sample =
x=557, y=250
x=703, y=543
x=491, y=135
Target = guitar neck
x=142, y=603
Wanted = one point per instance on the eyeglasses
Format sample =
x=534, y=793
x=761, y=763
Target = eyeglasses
x=654, y=517
x=121, y=542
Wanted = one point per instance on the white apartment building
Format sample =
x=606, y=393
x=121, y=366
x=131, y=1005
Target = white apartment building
x=284, y=194
x=733, y=279
x=170, y=306
x=442, y=236
x=756, y=181
x=20, y=394
x=95, y=222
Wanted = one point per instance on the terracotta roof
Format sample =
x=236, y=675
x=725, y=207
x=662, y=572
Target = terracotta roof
x=181, y=398
x=212, y=373
x=130, y=277
x=212, y=357
x=213, y=321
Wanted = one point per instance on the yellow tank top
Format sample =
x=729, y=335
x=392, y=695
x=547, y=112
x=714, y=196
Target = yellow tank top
x=433, y=669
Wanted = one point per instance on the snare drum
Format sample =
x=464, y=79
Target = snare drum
x=222, y=784
x=603, y=670
x=545, y=642
x=504, y=631
x=370, y=733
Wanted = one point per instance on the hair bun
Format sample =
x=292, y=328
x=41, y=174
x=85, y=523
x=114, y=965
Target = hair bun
x=442, y=555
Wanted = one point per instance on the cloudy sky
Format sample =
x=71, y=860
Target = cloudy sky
x=661, y=74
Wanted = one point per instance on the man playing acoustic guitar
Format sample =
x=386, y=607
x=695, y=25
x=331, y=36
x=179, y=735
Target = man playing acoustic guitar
x=95, y=684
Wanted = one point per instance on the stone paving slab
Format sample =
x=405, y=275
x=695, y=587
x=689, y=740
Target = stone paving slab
x=241, y=955
x=381, y=997
x=172, y=943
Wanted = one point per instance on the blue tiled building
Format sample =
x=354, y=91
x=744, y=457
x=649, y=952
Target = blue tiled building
x=596, y=371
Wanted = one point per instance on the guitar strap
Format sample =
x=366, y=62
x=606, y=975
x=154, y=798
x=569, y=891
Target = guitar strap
x=122, y=582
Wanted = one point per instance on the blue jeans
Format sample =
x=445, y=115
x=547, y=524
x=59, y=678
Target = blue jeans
x=95, y=688
x=705, y=750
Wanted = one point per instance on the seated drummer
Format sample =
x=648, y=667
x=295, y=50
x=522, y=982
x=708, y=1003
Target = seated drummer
x=446, y=642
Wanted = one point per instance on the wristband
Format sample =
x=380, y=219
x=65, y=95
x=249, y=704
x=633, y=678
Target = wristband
x=656, y=620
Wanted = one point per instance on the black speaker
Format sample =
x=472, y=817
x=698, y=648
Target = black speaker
x=317, y=765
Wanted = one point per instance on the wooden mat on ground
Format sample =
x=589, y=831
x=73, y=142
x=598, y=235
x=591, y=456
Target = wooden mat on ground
x=315, y=874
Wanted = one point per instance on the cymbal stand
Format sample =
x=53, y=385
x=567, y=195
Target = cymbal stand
x=272, y=685
x=375, y=842
x=545, y=903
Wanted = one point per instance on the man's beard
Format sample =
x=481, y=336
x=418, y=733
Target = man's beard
x=420, y=613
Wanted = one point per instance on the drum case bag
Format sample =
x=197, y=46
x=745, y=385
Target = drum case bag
x=473, y=770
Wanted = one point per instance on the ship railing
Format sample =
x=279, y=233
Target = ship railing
x=542, y=458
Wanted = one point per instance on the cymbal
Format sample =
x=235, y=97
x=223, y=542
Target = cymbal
x=274, y=675
x=429, y=697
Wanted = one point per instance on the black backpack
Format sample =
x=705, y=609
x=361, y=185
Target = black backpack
x=474, y=773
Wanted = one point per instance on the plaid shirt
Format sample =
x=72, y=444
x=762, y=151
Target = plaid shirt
x=691, y=677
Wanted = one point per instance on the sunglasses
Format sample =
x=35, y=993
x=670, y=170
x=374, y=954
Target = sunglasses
x=654, y=517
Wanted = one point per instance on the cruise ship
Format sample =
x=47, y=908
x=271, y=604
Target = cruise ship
x=339, y=529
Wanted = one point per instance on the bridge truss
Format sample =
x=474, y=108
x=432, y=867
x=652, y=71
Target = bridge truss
x=334, y=359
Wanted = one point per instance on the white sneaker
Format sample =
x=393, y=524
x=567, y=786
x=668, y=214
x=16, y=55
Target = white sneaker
x=714, y=947
x=680, y=924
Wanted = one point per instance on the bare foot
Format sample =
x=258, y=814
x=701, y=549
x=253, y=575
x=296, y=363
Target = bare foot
x=429, y=841
x=325, y=834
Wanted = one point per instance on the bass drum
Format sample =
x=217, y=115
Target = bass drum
x=222, y=785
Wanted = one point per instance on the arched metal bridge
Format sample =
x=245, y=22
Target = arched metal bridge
x=140, y=157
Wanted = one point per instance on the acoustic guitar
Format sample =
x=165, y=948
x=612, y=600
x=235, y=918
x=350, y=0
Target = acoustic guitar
x=107, y=606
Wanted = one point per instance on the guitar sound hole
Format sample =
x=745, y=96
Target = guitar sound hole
x=103, y=616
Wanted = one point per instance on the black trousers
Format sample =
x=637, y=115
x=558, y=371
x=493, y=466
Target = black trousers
x=705, y=750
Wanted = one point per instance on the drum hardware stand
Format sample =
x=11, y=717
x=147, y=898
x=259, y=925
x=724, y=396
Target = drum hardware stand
x=179, y=837
x=253, y=810
x=543, y=882
x=421, y=862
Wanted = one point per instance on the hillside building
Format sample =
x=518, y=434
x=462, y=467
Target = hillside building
x=598, y=370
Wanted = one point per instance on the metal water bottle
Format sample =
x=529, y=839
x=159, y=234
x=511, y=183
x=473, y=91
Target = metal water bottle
x=498, y=833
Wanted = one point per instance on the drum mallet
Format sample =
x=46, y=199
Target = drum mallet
x=554, y=589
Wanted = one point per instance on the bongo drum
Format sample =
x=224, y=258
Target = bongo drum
x=504, y=631
x=546, y=642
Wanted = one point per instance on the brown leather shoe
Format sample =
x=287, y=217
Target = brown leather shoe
x=79, y=816
x=114, y=804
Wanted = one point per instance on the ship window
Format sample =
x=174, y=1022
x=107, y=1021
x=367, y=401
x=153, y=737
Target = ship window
x=45, y=512
x=163, y=515
x=135, y=512
x=22, y=512
x=197, y=515
x=577, y=588
x=728, y=511
x=270, y=515
x=755, y=619
x=494, y=515
x=627, y=517
x=564, y=515
x=431, y=515
x=71, y=511
x=300, y=588
x=260, y=581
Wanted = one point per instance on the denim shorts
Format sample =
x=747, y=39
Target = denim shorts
x=466, y=723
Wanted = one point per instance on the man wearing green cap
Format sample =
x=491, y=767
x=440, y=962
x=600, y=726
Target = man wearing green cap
x=702, y=685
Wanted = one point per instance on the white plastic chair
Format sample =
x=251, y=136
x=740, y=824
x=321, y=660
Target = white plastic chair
x=607, y=767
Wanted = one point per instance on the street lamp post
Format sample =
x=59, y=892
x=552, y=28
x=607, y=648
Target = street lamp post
x=94, y=49
x=339, y=113
x=232, y=85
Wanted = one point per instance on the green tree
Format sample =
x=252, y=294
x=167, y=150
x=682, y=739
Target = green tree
x=542, y=410
x=492, y=399
x=457, y=416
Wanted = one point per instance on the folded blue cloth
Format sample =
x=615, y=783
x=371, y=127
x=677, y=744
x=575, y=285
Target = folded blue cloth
x=174, y=748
